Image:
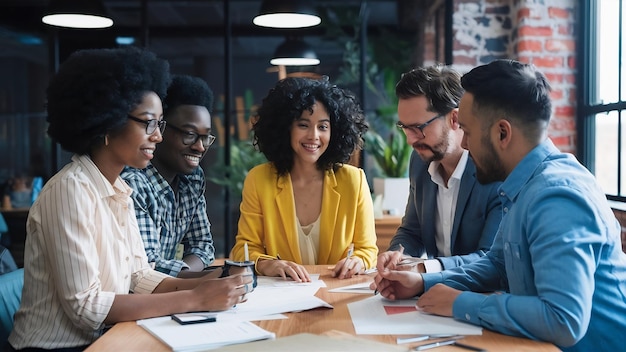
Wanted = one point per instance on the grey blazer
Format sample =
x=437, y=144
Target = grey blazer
x=476, y=221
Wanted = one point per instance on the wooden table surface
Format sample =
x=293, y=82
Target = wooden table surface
x=128, y=336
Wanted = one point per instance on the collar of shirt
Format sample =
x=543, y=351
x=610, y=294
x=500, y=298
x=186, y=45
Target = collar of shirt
x=526, y=169
x=435, y=176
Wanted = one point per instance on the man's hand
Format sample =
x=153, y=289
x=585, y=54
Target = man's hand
x=438, y=300
x=395, y=284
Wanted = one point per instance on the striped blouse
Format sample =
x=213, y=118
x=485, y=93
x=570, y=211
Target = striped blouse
x=82, y=248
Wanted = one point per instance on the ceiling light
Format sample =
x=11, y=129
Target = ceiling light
x=287, y=14
x=76, y=14
x=294, y=52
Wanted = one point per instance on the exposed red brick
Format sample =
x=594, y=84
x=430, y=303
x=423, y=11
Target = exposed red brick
x=529, y=45
x=523, y=13
x=532, y=31
x=560, y=45
x=571, y=62
x=556, y=94
x=564, y=111
x=558, y=12
x=548, y=61
x=561, y=141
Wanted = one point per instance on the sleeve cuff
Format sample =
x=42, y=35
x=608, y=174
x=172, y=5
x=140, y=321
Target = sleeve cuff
x=467, y=305
x=432, y=266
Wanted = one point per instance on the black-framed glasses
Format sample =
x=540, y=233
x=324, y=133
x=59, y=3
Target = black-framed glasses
x=191, y=138
x=151, y=125
x=417, y=129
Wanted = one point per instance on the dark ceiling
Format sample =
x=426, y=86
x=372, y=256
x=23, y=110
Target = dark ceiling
x=180, y=29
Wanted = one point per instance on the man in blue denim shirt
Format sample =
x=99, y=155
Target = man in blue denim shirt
x=557, y=255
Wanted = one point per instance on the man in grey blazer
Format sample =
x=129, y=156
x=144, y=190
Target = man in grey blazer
x=450, y=217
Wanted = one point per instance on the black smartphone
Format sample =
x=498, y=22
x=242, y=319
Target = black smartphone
x=194, y=318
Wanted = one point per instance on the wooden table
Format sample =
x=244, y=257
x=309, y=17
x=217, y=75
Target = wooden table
x=128, y=336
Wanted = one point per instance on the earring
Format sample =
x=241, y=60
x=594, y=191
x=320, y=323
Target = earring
x=106, y=140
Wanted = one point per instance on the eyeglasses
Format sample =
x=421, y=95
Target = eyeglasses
x=191, y=138
x=417, y=129
x=151, y=125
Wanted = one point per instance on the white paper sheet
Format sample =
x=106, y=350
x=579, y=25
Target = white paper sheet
x=201, y=337
x=369, y=317
x=363, y=287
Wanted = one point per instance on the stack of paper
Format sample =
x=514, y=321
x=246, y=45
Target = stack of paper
x=378, y=316
x=204, y=336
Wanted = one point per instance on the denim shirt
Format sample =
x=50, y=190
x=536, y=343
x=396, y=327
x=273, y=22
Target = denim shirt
x=557, y=256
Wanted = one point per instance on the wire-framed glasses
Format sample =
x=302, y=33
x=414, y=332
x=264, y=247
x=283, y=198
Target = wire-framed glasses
x=151, y=125
x=417, y=129
x=191, y=138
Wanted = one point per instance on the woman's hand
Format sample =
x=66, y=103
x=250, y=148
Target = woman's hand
x=224, y=293
x=283, y=268
x=348, y=267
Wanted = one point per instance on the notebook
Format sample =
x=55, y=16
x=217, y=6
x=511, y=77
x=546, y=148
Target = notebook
x=204, y=336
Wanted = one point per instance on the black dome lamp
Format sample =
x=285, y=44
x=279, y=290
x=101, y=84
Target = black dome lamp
x=294, y=52
x=77, y=14
x=287, y=14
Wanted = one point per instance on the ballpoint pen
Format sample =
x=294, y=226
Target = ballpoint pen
x=246, y=255
x=401, y=250
x=438, y=344
x=403, y=340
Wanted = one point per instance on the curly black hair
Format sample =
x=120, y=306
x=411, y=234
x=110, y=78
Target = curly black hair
x=94, y=90
x=187, y=90
x=285, y=103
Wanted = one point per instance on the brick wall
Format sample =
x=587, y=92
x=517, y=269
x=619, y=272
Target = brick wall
x=540, y=32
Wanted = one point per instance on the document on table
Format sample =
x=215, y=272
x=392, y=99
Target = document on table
x=363, y=287
x=204, y=336
x=274, y=296
x=379, y=316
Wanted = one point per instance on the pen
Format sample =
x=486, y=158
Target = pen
x=350, y=252
x=246, y=255
x=401, y=250
x=468, y=347
x=404, y=340
x=428, y=346
x=277, y=256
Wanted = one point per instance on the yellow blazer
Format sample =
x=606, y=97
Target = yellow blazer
x=268, y=217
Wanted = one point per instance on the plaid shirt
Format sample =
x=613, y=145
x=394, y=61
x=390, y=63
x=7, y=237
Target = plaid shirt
x=166, y=219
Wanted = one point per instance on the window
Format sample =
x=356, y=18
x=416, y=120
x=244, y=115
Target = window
x=602, y=93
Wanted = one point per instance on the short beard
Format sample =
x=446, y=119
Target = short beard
x=492, y=169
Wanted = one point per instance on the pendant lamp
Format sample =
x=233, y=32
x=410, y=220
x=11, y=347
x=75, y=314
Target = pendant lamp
x=287, y=14
x=294, y=52
x=76, y=14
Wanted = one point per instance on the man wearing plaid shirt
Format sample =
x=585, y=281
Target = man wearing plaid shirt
x=169, y=193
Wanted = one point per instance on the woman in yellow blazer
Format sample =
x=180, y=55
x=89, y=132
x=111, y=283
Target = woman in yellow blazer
x=305, y=206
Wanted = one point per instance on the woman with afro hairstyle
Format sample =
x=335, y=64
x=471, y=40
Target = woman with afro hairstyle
x=83, y=251
x=306, y=206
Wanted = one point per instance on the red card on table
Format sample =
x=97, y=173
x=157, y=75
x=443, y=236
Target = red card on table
x=391, y=310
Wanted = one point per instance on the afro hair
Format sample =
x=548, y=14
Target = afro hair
x=94, y=90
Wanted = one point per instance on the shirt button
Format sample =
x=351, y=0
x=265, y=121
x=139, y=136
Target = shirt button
x=127, y=258
x=506, y=246
x=502, y=194
x=467, y=316
x=506, y=209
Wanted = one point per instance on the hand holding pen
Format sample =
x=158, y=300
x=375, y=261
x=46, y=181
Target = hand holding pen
x=395, y=284
x=349, y=266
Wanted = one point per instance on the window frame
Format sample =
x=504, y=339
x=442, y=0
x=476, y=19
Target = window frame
x=587, y=15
